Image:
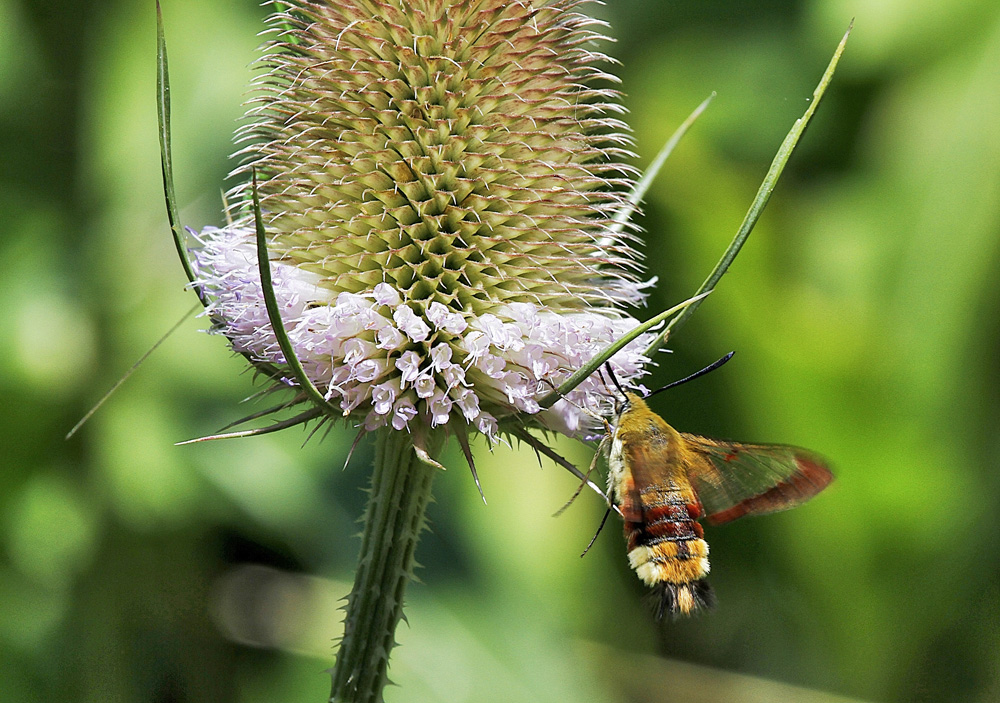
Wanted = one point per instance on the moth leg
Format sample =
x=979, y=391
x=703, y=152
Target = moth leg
x=583, y=483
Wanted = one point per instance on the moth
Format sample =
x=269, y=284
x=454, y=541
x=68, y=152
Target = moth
x=664, y=481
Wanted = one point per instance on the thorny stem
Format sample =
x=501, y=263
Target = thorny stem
x=394, y=518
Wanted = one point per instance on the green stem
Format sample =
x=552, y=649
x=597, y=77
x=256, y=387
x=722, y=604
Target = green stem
x=760, y=201
x=166, y=158
x=394, y=518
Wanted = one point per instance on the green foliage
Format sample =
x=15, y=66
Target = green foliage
x=864, y=312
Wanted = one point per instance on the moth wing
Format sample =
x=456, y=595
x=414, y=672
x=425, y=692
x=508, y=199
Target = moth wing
x=734, y=479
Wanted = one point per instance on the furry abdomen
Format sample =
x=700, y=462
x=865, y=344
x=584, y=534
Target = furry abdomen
x=648, y=480
x=667, y=549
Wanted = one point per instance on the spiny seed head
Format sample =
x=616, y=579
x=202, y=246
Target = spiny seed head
x=438, y=180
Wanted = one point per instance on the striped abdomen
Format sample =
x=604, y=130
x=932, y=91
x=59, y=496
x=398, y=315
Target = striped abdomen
x=667, y=550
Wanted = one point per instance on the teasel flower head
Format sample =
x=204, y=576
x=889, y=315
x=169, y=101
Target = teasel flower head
x=438, y=182
x=432, y=233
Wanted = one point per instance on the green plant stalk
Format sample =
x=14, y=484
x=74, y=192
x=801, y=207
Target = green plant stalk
x=684, y=310
x=394, y=518
x=638, y=192
x=582, y=373
x=166, y=159
x=760, y=200
x=274, y=312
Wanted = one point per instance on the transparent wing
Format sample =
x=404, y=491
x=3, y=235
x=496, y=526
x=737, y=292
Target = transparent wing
x=733, y=479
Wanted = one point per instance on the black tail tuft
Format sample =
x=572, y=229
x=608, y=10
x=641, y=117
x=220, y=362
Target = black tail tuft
x=678, y=599
x=704, y=595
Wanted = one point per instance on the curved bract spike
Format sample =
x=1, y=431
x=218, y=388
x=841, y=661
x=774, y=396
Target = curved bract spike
x=463, y=441
x=584, y=372
x=166, y=159
x=274, y=312
x=638, y=191
x=125, y=377
x=354, y=445
x=760, y=200
x=327, y=422
x=424, y=456
x=543, y=448
x=301, y=418
x=579, y=489
x=261, y=413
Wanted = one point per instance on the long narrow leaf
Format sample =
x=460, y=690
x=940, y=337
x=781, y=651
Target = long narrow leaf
x=759, y=202
x=299, y=419
x=638, y=192
x=166, y=165
x=166, y=159
x=590, y=367
x=274, y=312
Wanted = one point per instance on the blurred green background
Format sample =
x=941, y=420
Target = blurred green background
x=864, y=310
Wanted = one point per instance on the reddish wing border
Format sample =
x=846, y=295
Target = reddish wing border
x=733, y=479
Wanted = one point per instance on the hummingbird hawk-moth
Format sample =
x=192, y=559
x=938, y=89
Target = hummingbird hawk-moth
x=663, y=481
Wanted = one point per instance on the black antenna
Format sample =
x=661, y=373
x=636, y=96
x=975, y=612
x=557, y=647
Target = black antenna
x=604, y=381
x=696, y=374
x=614, y=379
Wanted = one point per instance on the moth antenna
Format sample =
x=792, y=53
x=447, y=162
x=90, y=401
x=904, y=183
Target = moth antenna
x=599, y=528
x=696, y=374
x=614, y=379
